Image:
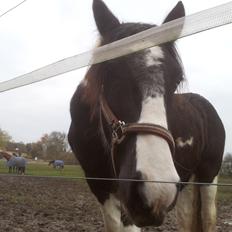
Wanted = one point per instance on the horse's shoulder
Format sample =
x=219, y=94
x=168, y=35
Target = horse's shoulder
x=194, y=115
x=189, y=117
x=192, y=102
x=199, y=104
x=185, y=107
x=188, y=98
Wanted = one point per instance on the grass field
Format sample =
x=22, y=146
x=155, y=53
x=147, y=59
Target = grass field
x=43, y=169
x=225, y=192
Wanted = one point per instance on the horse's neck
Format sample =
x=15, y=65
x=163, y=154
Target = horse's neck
x=6, y=155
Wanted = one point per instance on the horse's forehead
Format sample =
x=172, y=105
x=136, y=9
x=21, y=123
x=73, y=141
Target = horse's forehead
x=125, y=30
x=154, y=56
x=150, y=57
x=147, y=70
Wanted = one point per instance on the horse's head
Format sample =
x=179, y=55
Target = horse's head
x=6, y=155
x=138, y=88
x=51, y=162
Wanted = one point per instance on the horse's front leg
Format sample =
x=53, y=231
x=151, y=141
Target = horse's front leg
x=208, y=207
x=185, y=210
x=112, y=217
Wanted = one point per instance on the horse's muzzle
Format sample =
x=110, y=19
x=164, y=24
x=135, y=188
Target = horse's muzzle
x=150, y=220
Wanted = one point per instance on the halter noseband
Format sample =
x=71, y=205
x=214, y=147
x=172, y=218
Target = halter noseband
x=120, y=129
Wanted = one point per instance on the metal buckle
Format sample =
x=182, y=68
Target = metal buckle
x=118, y=131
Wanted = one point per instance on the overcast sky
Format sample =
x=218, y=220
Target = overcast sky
x=40, y=32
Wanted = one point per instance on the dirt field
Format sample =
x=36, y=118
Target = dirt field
x=52, y=205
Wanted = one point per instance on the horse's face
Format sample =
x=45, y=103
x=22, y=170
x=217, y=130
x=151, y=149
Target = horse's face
x=137, y=88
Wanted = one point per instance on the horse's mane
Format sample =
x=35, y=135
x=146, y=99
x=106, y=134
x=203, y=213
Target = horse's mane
x=177, y=79
x=182, y=81
x=92, y=88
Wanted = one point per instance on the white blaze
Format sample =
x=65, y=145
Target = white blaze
x=154, y=159
x=154, y=57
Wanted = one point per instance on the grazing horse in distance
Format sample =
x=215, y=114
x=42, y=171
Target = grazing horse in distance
x=58, y=164
x=14, y=163
x=128, y=123
x=10, y=161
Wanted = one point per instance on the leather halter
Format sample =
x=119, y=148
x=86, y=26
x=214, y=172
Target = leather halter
x=120, y=129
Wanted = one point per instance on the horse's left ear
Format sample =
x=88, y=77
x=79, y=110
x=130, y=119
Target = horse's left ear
x=177, y=12
x=104, y=18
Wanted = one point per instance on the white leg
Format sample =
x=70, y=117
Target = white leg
x=188, y=208
x=112, y=217
x=208, y=211
x=184, y=209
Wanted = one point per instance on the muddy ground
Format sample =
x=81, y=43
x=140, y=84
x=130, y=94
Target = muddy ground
x=52, y=205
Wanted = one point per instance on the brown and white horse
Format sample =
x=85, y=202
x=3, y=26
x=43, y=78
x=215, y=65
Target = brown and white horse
x=125, y=117
x=14, y=163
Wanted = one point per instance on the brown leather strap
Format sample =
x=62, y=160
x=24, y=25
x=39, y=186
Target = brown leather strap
x=107, y=112
x=154, y=129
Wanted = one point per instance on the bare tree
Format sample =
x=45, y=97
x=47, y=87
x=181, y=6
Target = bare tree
x=4, y=138
x=227, y=164
x=54, y=144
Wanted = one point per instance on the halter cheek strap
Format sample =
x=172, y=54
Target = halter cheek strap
x=120, y=129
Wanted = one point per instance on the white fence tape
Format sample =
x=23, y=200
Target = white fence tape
x=195, y=23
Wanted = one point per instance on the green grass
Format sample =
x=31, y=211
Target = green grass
x=225, y=192
x=42, y=169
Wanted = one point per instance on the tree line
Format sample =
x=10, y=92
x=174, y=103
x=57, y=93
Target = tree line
x=49, y=147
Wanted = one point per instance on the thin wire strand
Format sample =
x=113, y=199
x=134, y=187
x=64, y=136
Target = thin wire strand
x=11, y=9
x=121, y=180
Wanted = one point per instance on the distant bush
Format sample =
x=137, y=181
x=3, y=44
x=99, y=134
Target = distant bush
x=226, y=168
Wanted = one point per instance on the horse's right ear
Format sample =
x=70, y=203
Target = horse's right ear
x=177, y=12
x=104, y=18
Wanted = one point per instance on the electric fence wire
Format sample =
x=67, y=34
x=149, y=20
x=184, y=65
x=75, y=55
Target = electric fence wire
x=120, y=180
x=13, y=8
